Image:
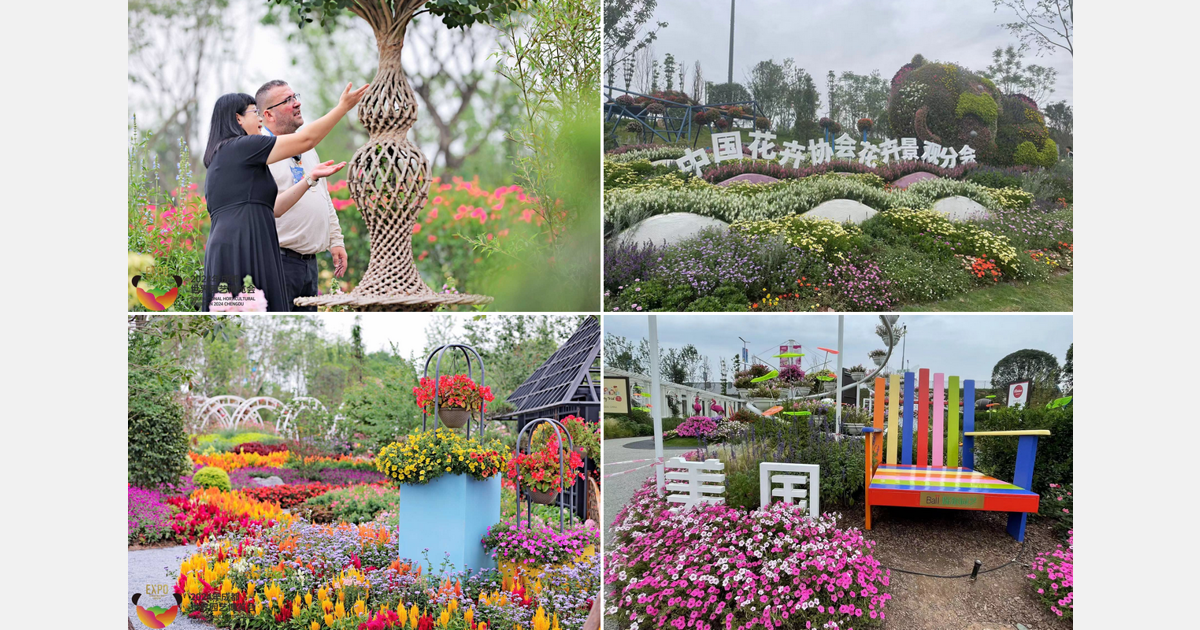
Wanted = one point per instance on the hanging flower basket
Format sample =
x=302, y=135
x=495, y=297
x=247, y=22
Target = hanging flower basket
x=828, y=386
x=457, y=396
x=544, y=498
x=803, y=390
x=454, y=417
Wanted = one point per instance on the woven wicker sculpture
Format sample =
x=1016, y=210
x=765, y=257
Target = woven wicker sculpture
x=389, y=178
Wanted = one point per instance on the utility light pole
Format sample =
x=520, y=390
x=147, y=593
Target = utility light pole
x=732, y=5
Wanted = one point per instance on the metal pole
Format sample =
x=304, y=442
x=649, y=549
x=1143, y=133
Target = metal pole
x=837, y=424
x=732, y=4
x=656, y=405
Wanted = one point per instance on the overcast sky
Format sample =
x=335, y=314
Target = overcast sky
x=840, y=35
x=963, y=345
x=407, y=331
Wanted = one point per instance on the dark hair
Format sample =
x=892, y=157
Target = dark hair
x=224, y=126
x=261, y=95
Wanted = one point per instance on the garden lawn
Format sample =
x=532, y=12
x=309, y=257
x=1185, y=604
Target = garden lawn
x=682, y=442
x=1054, y=295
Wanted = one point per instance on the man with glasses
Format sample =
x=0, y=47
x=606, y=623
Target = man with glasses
x=311, y=226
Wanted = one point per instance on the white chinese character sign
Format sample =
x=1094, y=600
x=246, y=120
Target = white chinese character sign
x=728, y=146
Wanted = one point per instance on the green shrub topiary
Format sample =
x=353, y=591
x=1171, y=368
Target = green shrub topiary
x=1026, y=154
x=212, y=477
x=1049, y=154
x=981, y=105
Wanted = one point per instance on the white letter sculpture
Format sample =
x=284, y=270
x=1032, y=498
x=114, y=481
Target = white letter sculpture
x=762, y=147
x=693, y=161
x=967, y=154
x=819, y=152
x=933, y=151
x=845, y=147
x=908, y=149
x=801, y=475
x=869, y=154
x=727, y=146
x=791, y=151
x=694, y=482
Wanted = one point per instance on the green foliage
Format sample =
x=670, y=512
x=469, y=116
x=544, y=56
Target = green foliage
x=212, y=477
x=980, y=105
x=225, y=440
x=1048, y=156
x=1058, y=506
x=994, y=179
x=455, y=13
x=929, y=228
x=380, y=410
x=360, y=504
x=918, y=277
x=157, y=443
x=997, y=455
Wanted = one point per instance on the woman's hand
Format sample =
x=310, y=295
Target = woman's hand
x=350, y=98
x=326, y=169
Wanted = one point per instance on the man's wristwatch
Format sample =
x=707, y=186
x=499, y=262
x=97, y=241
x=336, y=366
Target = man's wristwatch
x=311, y=181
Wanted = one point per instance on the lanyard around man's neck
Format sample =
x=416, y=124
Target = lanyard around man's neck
x=295, y=158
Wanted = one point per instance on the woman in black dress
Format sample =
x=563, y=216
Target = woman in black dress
x=241, y=193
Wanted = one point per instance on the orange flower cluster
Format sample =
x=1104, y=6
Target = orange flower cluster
x=233, y=461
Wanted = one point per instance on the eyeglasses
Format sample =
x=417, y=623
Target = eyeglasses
x=294, y=97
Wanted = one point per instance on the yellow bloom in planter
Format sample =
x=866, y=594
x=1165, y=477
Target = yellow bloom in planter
x=308, y=599
x=401, y=614
x=469, y=616
x=314, y=626
x=414, y=615
x=328, y=620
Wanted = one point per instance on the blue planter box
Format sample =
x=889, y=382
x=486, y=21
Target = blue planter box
x=450, y=514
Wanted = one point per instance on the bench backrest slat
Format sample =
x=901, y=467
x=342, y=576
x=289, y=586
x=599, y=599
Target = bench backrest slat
x=909, y=425
x=939, y=414
x=952, y=428
x=923, y=417
x=880, y=395
x=893, y=427
x=968, y=449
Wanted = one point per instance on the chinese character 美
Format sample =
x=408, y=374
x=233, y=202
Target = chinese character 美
x=727, y=146
x=791, y=151
x=967, y=154
x=693, y=161
x=908, y=149
x=889, y=149
x=846, y=147
x=762, y=147
x=869, y=154
x=933, y=151
x=949, y=157
x=819, y=152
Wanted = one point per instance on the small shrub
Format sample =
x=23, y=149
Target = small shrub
x=212, y=477
x=1027, y=154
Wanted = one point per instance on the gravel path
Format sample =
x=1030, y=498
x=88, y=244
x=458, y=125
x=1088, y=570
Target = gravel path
x=619, y=455
x=150, y=567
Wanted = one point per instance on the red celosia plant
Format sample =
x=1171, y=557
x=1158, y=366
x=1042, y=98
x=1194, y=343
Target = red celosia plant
x=453, y=391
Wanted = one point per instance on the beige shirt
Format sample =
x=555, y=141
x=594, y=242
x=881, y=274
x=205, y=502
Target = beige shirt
x=310, y=226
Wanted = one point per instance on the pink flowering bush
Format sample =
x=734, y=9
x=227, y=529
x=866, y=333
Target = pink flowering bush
x=697, y=427
x=1052, y=573
x=717, y=567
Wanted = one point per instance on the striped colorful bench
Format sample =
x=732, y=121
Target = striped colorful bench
x=915, y=480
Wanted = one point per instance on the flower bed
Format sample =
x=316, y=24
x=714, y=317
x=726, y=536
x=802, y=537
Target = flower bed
x=288, y=496
x=149, y=517
x=233, y=461
x=774, y=257
x=538, y=546
x=719, y=567
x=1053, y=578
x=300, y=575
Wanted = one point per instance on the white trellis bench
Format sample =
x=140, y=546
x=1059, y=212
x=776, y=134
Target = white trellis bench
x=799, y=484
x=696, y=483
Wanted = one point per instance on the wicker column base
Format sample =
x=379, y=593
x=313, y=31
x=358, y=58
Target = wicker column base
x=418, y=303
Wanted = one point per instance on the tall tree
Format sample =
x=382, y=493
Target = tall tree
x=678, y=365
x=1010, y=74
x=669, y=70
x=1048, y=25
x=1068, y=371
x=358, y=352
x=698, y=83
x=1037, y=366
x=627, y=30
x=861, y=96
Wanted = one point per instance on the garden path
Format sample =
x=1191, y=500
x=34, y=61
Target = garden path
x=149, y=567
x=619, y=490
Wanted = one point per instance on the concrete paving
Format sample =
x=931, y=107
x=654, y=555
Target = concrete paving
x=620, y=455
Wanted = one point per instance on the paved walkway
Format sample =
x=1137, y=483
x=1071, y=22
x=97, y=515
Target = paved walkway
x=621, y=455
x=149, y=567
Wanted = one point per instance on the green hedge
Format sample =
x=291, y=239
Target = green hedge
x=997, y=456
x=157, y=442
